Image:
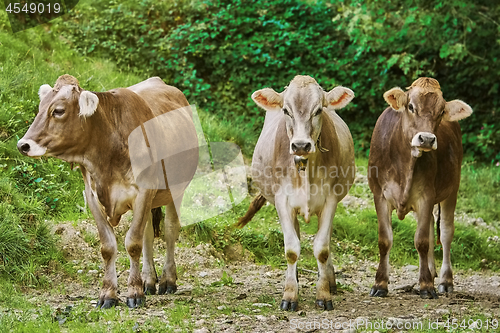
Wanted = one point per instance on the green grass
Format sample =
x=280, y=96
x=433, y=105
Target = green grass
x=479, y=193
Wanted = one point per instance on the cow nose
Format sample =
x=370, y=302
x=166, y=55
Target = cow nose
x=301, y=147
x=425, y=141
x=24, y=148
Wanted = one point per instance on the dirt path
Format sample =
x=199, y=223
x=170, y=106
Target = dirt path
x=220, y=295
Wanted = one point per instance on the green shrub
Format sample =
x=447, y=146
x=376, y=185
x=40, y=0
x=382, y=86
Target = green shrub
x=219, y=51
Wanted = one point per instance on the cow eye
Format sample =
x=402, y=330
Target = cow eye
x=318, y=112
x=410, y=107
x=286, y=112
x=58, y=112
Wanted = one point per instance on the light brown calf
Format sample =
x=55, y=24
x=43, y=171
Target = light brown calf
x=303, y=163
x=94, y=130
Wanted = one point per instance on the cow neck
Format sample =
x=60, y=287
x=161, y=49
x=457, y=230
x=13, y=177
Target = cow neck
x=401, y=148
x=102, y=149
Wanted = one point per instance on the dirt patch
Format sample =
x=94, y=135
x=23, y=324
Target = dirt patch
x=227, y=292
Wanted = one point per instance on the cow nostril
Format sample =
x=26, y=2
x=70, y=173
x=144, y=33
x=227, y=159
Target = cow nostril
x=421, y=139
x=433, y=140
x=294, y=147
x=307, y=147
x=25, y=147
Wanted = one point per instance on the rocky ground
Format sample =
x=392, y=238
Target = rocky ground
x=227, y=292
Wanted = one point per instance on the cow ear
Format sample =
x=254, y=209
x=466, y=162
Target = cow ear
x=43, y=91
x=456, y=110
x=396, y=98
x=268, y=99
x=338, y=97
x=88, y=103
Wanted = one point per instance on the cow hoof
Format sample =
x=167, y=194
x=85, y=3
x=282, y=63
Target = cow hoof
x=291, y=306
x=135, y=302
x=374, y=292
x=107, y=303
x=442, y=288
x=149, y=290
x=168, y=289
x=328, y=305
x=426, y=294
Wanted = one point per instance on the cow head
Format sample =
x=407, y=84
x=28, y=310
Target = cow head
x=423, y=108
x=303, y=102
x=58, y=126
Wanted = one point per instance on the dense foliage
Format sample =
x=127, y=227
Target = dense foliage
x=220, y=51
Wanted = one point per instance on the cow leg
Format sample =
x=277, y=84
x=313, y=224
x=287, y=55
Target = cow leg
x=149, y=276
x=447, y=231
x=383, y=208
x=109, y=250
x=133, y=244
x=430, y=255
x=172, y=229
x=292, y=253
x=326, y=284
x=422, y=244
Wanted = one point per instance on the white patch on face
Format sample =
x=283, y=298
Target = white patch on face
x=35, y=150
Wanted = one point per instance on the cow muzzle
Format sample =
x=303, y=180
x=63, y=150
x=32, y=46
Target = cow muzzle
x=424, y=141
x=30, y=148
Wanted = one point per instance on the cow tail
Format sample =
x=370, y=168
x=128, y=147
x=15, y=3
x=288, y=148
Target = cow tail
x=438, y=225
x=157, y=217
x=255, y=206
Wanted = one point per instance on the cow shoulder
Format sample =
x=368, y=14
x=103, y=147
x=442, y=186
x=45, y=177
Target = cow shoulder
x=336, y=137
x=385, y=127
x=281, y=157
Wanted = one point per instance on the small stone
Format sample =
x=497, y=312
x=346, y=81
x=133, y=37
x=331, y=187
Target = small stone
x=261, y=305
x=261, y=317
x=411, y=268
x=203, y=274
x=93, y=271
x=442, y=311
x=222, y=307
x=80, y=271
x=201, y=330
x=200, y=322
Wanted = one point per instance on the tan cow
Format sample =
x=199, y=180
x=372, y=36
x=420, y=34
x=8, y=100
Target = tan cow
x=303, y=163
x=414, y=163
x=93, y=129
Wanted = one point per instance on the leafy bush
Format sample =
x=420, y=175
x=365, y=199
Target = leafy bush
x=219, y=51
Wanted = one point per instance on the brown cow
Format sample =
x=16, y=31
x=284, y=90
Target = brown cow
x=94, y=129
x=414, y=163
x=303, y=163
